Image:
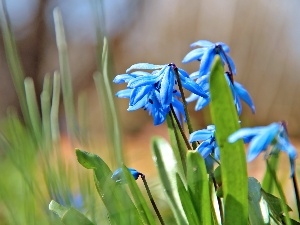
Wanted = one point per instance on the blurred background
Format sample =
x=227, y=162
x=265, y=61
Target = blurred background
x=263, y=37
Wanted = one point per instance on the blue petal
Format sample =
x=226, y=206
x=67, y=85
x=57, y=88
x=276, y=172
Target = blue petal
x=286, y=146
x=231, y=63
x=183, y=73
x=244, y=133
x=192, y=97
x=202, y=43
x=118, y=175
x=167, y=86
x=206, y=61
x=140, y=104
x=193, y=55
x=134, y=173
x=124, y=93
x=144, y=66
x=178, y=105
x=200, y=135
x=205, y=148
x=192, y=86
x=143, y=80
x=261, y=141
x=201, y=103
x=244, y=95
x=119, y=79
x=195, y=75
x=139, y=93
x=225, y=47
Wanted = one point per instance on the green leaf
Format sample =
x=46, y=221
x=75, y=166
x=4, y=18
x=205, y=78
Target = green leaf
x=138, y=197
x=275, y=205
x=233, y=160
x=258, y=209
x=166, y=164
x=120, y=207
x=198, y=184
x=187, y=202
x=69, y=216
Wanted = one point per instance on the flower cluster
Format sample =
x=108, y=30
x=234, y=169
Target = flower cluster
x=260, y=138
x=156, y=92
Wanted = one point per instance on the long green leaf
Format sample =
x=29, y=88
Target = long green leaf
x=233, y=160
x=69, y=216
x=13, y=60
x=34, y=114
x=187, y=203
x=198, y=184
x=66, y=80
x=120, y=207
x=166, y=164
x=138, y=197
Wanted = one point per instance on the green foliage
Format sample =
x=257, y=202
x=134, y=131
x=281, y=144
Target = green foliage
x=198, y=186
x=120, y=207
x=167, y=169
x=34, y=170
x=69, y=216
x=233, y=170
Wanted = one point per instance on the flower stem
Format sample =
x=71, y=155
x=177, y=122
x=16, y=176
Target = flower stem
x=296, y=189
x=188, y=119
x=151, y=199
x=230, y=74
x=173, y=115
x=281, y=194
x=181, y=151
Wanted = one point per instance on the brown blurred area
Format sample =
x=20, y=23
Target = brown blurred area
x=263, y=37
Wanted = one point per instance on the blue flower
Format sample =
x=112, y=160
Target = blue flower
x=238, y=92
x=208, y=144
x=156, y=91
x=260, y=138
x=118, y=175
x=207, y=53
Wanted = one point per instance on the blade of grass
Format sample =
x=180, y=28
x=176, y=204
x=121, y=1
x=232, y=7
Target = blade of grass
x=103, y=85
x=166, y=164
x=187, y=203
x=233, y=160
x=66, y=80
x=34, y=113
x=13, y=60
x=198, y=185
x=46, y=108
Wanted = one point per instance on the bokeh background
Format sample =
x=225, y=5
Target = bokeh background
x=263, y=36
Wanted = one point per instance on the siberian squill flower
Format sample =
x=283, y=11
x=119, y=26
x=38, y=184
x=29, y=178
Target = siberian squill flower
x=238, y=91
x=155, y=91
x=208, y=144
x=118, y=175
x=206, y=54
x=260, y=138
